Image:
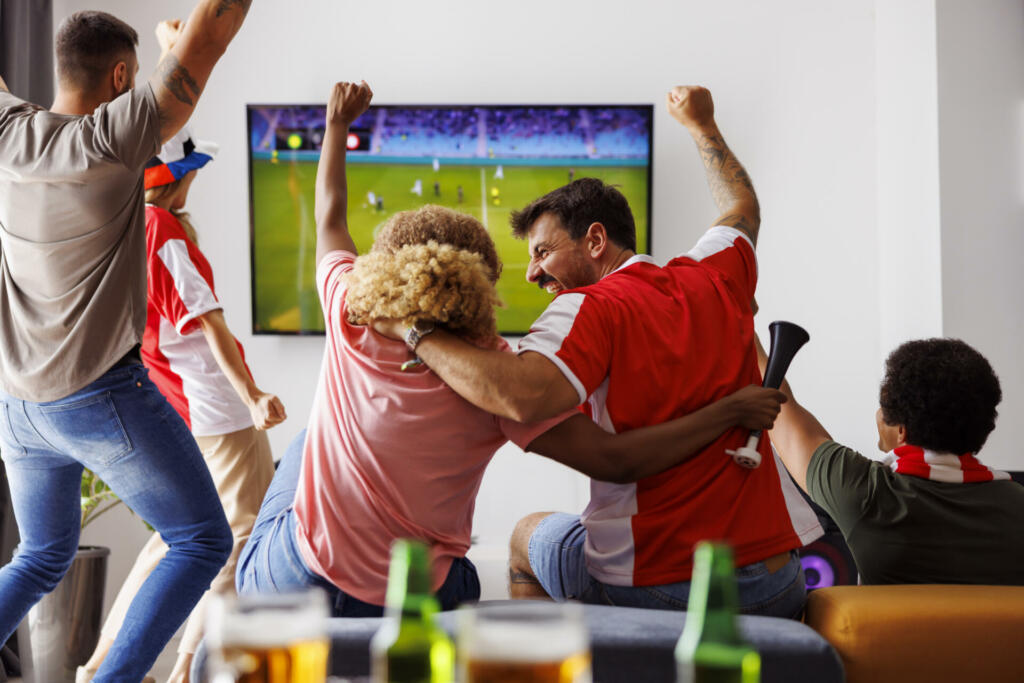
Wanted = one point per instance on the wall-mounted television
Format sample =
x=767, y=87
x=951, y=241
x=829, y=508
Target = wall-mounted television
x=483, y=160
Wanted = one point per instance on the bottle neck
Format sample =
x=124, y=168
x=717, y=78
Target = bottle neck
x=720, y=626
x=714, y=600
x=409, y=580
x=716, y=615
x=415, y=606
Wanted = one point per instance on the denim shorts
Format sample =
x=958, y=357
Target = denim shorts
x=557, y=559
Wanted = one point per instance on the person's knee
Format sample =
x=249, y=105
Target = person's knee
x=519, y=544
x=214, y=541
x=223, y=542
x=47, y=565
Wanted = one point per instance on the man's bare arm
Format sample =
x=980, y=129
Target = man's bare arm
x=627, y=457
x=347, y=102
x=797, y=433
x=3, y=86
x=180, y=77
x=730, y=185
x=526, y=387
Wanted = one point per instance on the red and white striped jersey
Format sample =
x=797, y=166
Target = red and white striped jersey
x=645, y=345
x=174, y=348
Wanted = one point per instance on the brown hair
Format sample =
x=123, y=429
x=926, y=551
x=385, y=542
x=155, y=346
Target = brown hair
x=578, y=205
x=88, y=45
x=432, y=263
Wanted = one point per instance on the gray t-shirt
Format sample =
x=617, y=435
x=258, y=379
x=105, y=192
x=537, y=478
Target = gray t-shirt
x=72, y=241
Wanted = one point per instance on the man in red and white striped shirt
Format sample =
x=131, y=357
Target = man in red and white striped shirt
x=637, y=344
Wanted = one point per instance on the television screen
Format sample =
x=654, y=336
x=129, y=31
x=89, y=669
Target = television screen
x=482, y=160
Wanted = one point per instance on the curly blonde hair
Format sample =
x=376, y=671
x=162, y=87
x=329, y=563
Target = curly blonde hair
x=432, y=263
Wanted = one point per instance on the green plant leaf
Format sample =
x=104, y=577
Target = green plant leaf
x=95, y=492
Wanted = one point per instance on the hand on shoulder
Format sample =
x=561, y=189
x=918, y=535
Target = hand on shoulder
x=392, y=328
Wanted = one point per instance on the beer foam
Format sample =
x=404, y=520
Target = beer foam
x=523, y=642
x=267, y=620
x=269, y=629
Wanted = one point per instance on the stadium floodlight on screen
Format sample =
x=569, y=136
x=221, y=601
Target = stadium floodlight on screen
x=483, y=160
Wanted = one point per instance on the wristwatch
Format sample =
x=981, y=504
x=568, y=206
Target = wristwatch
x=419, y=330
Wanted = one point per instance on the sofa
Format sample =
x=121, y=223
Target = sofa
x=922, y=633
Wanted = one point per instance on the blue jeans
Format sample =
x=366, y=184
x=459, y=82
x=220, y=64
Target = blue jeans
x=271, y=561
x=123, y=429
x=557, y=560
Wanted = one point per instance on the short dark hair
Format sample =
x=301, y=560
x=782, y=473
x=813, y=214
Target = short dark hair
x=943, y=392
x=577, y=205
x=88, y=45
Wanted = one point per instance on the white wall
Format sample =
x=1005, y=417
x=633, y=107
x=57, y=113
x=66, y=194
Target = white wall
x=799, y=87
x=907, y=162
x=981, y=147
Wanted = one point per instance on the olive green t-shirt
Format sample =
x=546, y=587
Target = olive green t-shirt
x=72, y=241
x=904, y=529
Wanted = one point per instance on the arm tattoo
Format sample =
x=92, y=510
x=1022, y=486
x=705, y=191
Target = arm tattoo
x=178, y=80
x=736, y=220
x=226, y=5
x=726, y=177
x=515, y=576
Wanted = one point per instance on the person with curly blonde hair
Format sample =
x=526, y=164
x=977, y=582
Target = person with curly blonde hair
x=390, y=450
x=433, y=263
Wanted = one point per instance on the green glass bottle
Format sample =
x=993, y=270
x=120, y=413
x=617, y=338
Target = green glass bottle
x=410, y=647
x=710, y=649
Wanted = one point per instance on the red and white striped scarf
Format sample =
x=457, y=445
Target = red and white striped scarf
x=945, y=467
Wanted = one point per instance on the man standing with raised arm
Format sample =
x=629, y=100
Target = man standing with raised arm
x=73, y=391
x=638, y=345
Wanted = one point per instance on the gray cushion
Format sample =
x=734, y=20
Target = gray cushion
x=631, y=645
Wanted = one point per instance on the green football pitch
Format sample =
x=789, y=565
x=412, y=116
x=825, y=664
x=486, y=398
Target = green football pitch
x=284, y=232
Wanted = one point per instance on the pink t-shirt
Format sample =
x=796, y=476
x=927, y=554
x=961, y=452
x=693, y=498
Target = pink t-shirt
x=388, y=454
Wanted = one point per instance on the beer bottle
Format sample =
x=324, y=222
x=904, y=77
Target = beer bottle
x=710, y=649
x=410, y=647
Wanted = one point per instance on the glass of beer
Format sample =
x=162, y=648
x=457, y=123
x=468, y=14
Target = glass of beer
x=269, y=638
x=523, y=641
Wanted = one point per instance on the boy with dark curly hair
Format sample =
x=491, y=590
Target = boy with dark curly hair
x=930, y=512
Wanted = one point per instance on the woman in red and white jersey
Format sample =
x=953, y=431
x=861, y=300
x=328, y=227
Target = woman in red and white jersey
x=200, y=367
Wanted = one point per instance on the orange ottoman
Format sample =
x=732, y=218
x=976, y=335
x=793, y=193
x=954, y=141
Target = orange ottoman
x=923, y=633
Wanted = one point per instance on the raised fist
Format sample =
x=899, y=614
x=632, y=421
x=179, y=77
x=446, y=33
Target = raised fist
x=168, y=32
x=267, y=411
x=347, y=102
x=691, y=105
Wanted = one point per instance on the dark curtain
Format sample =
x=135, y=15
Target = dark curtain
x=26, y=64
x=26, y=49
